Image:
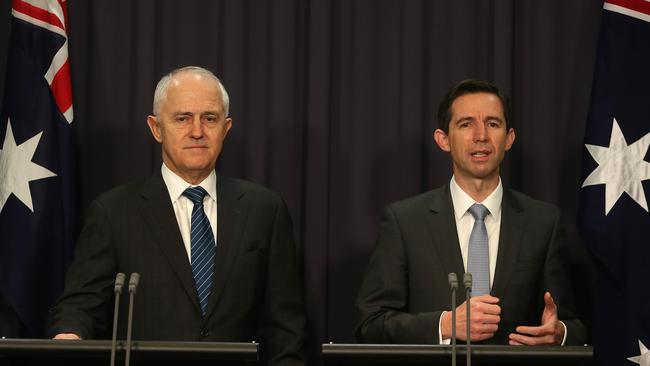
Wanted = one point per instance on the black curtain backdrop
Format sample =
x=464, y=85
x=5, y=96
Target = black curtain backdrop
x=334, y=105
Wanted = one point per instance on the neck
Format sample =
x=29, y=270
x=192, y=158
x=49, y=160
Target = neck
x=194, y=179
x=478, y=189
x=191, y=177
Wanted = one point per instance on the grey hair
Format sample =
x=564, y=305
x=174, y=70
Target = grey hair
x=161, y=89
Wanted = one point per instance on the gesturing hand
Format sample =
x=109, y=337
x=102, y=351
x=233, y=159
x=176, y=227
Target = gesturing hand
x=550, y=332
x=484, y=319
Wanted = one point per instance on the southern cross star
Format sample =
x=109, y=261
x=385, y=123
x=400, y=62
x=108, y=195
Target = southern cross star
x=17, y=168
x=644, y=358
x=621, y=168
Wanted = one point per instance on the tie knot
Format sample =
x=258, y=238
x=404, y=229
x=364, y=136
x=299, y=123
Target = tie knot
x=195, y=194
x=478, y=211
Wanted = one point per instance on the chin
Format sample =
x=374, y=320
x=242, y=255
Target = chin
x=199, y=165
x=483, y=174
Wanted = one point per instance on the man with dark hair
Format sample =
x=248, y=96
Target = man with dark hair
x=216, y=255
x=512, y=244
x=471, y=87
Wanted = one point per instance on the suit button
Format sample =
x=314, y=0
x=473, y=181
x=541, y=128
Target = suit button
x=205, y=333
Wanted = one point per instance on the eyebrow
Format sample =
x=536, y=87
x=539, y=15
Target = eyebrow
x=468, y=118
x=501, y=120
x=187, y=113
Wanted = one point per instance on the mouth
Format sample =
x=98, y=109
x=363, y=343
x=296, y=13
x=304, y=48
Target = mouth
x=480, y=155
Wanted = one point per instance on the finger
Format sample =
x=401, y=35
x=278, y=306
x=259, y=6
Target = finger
x=522, y=339
x=484, y=328
x=486, y=308
x=478, y=317
x=530, y=341
x=486, y=299
x=67, y=336
x=542, y=330
x=514, y=343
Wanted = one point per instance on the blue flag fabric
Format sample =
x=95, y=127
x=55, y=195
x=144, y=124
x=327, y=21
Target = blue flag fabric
x=37, y=197
x=613, y=215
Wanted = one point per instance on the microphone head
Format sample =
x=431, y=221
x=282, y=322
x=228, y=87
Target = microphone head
x=453, y=280
x=134, y=280
x=119, y=282
x=467, y=280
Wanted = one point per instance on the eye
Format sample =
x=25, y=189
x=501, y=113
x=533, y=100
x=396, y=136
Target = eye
x=494, y=123
x=182, y=119
x=210, y=119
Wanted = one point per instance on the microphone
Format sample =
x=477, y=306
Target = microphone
x=134, y=280
x=119, y=283
x=467, y=279
x=453, y=283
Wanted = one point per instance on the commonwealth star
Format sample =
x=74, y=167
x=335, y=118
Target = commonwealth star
x=621, y=168
x=17, y=168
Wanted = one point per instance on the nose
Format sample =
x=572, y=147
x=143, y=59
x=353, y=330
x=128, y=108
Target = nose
x=480, y=132
x=197, y=128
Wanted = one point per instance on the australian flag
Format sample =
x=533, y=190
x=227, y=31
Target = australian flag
x=36, y=167
x=614, y=218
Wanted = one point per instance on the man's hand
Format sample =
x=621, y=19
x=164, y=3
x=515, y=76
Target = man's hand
x=550, y=332
x=484, y=319
x=67, y=336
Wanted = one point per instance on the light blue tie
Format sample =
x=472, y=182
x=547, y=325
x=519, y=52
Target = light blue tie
x=478, y=259
x=203, y=247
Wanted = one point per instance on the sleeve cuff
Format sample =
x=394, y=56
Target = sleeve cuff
x=444, y=341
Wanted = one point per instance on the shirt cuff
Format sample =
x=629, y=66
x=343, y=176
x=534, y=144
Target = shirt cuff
x=440, y=340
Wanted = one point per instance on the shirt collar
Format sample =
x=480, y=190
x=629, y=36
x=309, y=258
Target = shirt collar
x=462, y=201
x=177, y=185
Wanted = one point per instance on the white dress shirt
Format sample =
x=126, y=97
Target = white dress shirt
x=465, y=221
x=183, y=206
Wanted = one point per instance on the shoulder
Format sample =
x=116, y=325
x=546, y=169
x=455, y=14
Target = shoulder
x=126, y=192
x=422, y=202
x=229, y=187
x=527, y=203
x=543, y=214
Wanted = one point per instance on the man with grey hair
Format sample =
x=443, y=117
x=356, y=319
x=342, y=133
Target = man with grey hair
x=216, y=255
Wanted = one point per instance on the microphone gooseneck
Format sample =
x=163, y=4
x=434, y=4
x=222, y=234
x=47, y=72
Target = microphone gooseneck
x=467, y=279
x=453, y=284
x=134, y=280
x=117, y=290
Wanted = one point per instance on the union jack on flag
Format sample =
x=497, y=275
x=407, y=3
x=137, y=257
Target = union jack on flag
x=37, y=166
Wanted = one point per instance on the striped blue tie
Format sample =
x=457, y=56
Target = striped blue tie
x=478, y=259
x=203, y=247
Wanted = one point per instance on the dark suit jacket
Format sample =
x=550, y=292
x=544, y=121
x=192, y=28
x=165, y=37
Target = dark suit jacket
x=256, y=295
x=405, y=288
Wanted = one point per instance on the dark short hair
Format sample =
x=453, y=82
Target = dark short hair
x=465, y=87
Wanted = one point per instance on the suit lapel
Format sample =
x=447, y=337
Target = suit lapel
x=158, y=213
x=444, y=235
x=513, y=220
x=231, y=215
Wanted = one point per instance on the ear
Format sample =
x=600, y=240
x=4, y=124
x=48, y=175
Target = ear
x=441, y=139
x=510, y=138
x=154, y=127
x=228, y=125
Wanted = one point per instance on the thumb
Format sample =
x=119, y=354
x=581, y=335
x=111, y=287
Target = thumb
x=550, y=309
x=548, y=301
